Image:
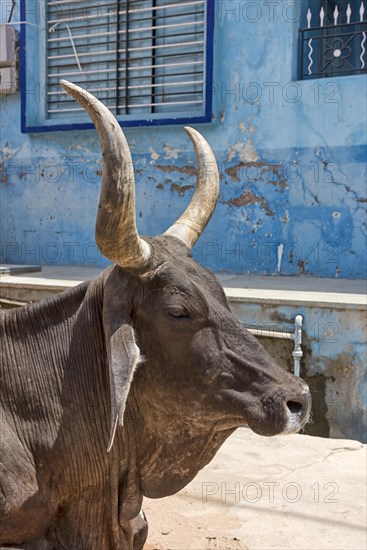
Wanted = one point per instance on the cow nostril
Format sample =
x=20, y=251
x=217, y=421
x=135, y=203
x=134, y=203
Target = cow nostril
x=295, y=407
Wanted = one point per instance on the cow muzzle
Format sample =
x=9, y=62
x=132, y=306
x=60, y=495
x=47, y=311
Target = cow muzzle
x=298, y=410
x=284, y=410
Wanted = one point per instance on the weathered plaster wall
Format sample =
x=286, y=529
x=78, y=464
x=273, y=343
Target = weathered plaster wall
x=291, y=156
x=333, y=364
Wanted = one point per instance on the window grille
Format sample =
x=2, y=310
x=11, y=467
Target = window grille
x=149, y=61
x=334, y=40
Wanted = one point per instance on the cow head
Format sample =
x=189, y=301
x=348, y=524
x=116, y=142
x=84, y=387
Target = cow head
x=199, y=366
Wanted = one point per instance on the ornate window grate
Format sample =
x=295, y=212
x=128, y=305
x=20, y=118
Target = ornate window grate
x=334, y=42
x=149, y=61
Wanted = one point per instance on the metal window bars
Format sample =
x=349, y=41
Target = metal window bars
x=335, y=49
x=140, y=57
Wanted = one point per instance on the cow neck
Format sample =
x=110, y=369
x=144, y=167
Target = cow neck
x=123, y=460
x=169, y=450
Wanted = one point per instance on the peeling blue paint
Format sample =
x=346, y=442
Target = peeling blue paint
x=292, y=158
x=334, y=350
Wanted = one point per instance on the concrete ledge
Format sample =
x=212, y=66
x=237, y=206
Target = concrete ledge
x=32, y=287
x=295, y=290
x=336, y=293
x=282, y=493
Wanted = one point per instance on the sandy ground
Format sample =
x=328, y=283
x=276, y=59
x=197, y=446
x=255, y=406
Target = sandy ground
x=286, y=492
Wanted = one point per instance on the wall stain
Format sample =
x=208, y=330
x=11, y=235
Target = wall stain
x=6, y=154
x=342, y=392
x=189, y=170
x=268, y=173
x=250, y=198
x=181, y=190
x=302, y=266
x=4, y=177
x=175, y=187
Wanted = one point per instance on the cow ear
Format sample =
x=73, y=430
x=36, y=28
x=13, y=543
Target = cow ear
x=122, y=351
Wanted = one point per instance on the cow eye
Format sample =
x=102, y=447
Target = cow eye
x=179, y=313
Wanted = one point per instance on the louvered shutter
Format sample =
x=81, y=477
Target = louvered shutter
x=147, y=60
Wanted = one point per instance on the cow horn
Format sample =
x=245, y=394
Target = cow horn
x=191, y=224
x=116, y=233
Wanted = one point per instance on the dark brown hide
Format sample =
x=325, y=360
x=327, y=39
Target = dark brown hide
x=201, y=376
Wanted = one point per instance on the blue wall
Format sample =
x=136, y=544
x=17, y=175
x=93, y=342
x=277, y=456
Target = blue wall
x=292, y=158
x=333, y=364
